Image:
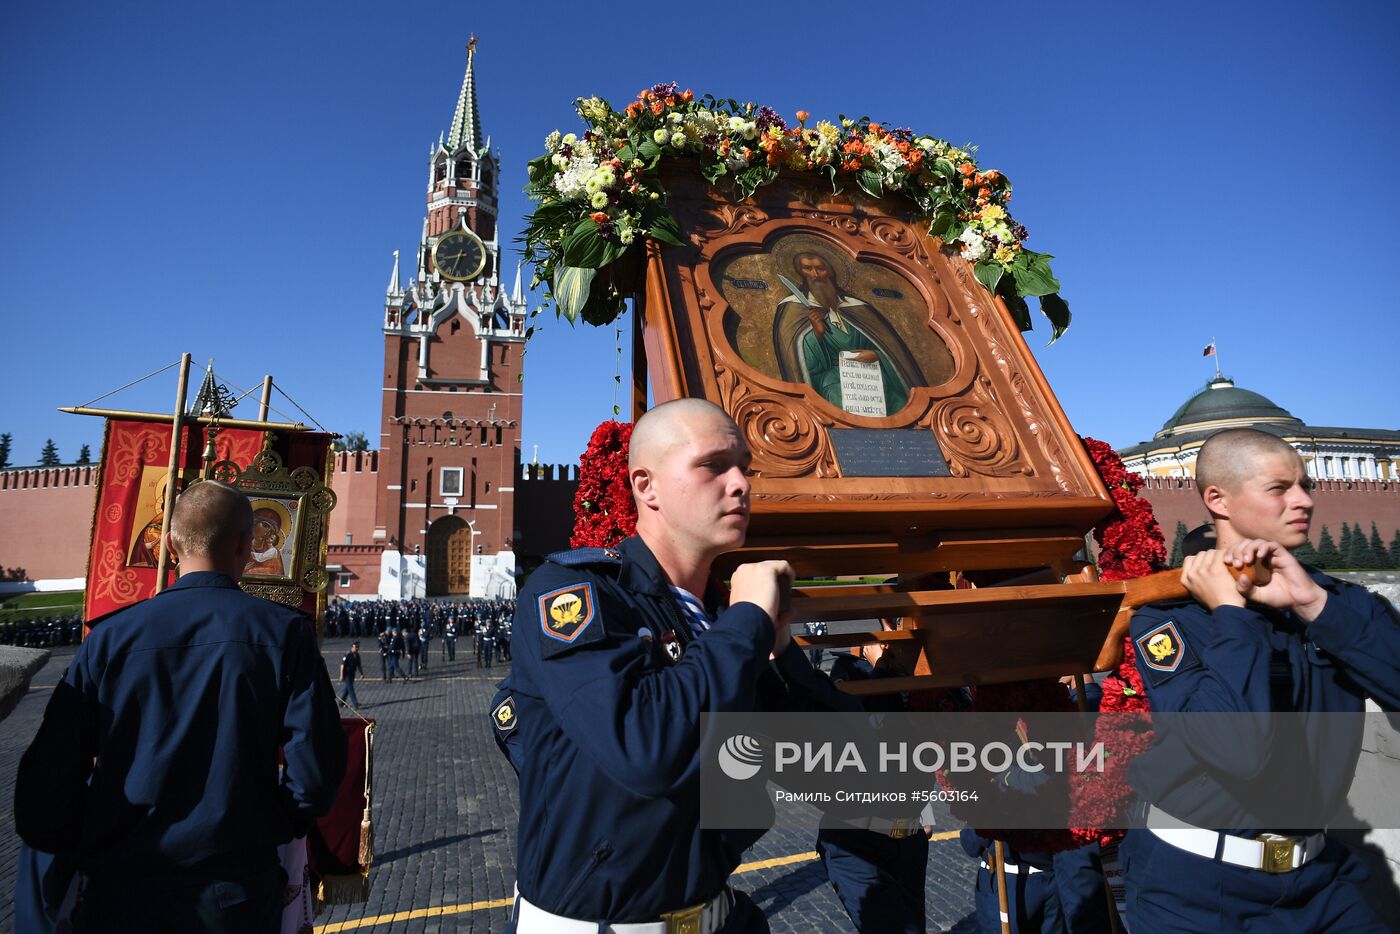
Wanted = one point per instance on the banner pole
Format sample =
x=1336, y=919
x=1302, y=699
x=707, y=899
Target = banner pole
x=172, y=473
x=266, y=401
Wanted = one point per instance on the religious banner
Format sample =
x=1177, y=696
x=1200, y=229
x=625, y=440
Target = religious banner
x=130, y=503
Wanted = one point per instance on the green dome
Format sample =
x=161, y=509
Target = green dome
x=1222, y=401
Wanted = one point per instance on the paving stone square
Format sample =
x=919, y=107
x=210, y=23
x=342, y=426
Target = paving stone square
x=445, y=814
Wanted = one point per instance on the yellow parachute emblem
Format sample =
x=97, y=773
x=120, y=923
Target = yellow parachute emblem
x=566, y=610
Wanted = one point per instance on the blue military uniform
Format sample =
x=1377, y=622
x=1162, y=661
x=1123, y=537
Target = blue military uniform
x=600, y=716
x=1255, y=659
x=878, y=870
x=183, y=700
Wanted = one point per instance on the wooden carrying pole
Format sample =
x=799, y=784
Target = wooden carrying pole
x=999, y=857
x=172, y=473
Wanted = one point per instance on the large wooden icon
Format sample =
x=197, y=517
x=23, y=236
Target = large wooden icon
x=883, y=392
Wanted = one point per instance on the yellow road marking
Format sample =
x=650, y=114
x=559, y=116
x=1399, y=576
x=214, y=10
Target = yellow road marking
x=441, y=910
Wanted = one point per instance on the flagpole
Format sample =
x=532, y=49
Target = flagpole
x=1215, y=347
x=172, y=473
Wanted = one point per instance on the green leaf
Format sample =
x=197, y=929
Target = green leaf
x=649, y=152
x=540, y=168
x=713, y=171
x=627, y=153
x=1033, y=275
x=944, y=168
x=666, y=229
x=1020, y=311
x=943, y=222
x=869, y=181
x=571, y=287
x=583, y=246
x=989, y=274
x=1057, y=310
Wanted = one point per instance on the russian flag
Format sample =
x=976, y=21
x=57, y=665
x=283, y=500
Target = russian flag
x=1209, y=351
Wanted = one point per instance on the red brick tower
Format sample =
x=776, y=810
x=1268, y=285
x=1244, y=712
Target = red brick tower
x=450, y=430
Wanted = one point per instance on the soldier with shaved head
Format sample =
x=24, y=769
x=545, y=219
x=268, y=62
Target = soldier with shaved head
x=1281, y=638
x=192, y=734
x=617, y=654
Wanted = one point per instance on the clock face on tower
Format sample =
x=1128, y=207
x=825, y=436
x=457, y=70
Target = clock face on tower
x=459, y=255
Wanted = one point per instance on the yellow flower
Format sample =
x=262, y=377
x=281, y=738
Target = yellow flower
x=1004, y=255
x=993, y=212
x=828, y=131
x=600, y=199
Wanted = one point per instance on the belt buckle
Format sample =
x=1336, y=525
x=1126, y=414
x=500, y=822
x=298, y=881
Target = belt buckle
x=1278, y=853
x=684, y=920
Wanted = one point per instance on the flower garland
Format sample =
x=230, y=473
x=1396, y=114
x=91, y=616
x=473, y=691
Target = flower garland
x=604, y=511
x=599, y=193
x=1130, y=545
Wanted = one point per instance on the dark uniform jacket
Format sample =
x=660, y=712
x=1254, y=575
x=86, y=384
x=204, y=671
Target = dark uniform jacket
x=1251, y=659
x=183, y=700
x=603, y=728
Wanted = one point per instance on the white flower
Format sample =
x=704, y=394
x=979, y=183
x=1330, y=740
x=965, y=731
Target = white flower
x=736, y=160
x=626, y=236
x=572, y=182
x=975, y=248
x=559, y=161
x=600, y=199
x=678, y=140
x=749, y=130
x=570, y=139
x=659, y=136
x=552, y=141
x=593, y=185
x=736, y=124
x=674, y=118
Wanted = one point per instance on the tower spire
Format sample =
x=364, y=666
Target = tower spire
x=394, y=286
x=466, y=122
x=517, y=294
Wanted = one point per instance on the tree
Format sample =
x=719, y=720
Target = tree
x=1344, y=546
x=1327, y=554
x=1358, y=553
x=1306, y=554
x=85, y=455
x=1177, y=557
x=49, y=456
x=5, y=450
x=1379, y=554
x=354, y=441
x=1395, y=550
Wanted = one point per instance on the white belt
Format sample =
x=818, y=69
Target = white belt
x=894, y=829
x=1015, y=868
x=1268, y=852
x=697, y=919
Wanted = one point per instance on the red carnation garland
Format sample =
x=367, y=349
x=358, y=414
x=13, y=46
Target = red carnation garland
x=604, y=512
x=1130, y=545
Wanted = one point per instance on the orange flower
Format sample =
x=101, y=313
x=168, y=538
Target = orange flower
x=993, y=176
x=724, y=145
x=634, y=108
x=967, y=168
x=969, y=183
x=598, y=217
x=658, y=108
x=876, y=129
x=851, y=165
x=646, y=95
x=802, y=116
x=670, y=100
x=775, y=157
x=687, y=96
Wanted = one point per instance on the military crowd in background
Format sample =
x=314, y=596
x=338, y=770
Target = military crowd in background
x=42, y=631
x=405, y=630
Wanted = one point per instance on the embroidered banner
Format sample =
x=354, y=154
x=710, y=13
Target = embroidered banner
x=130, y=500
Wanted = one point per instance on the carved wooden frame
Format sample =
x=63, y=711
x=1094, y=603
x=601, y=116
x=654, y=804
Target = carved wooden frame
x=1015, y=460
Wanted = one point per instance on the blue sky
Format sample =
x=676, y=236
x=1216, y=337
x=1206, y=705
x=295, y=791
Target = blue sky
x=232, y=180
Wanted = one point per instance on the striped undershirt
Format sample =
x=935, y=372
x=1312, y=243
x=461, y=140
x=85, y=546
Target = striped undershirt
x=693, y=609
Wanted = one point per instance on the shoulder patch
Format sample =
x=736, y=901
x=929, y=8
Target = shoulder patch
x=1163, y=652
x=567, y=615
x=504, y=715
